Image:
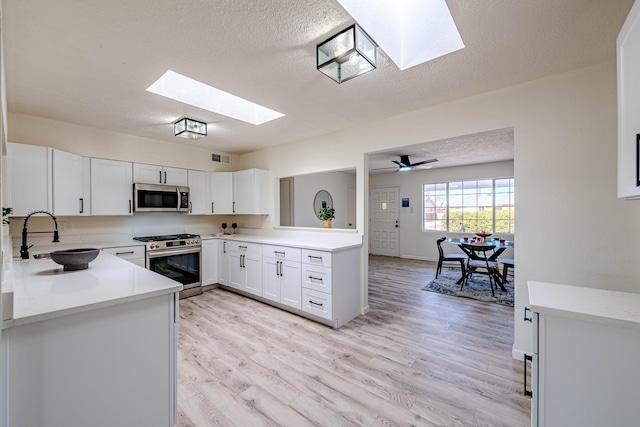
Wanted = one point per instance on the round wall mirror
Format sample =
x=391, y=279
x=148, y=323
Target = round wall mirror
x=322, y=200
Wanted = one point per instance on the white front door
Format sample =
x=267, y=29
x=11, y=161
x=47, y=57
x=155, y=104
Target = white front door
x=384, y=221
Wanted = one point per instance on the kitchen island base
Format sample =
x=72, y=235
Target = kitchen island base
x=112, y=366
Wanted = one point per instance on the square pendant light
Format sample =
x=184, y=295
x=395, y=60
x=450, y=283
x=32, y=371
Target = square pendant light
x=346, y=55
x=190, y=129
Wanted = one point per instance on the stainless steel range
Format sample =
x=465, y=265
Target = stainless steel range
x=178, y=257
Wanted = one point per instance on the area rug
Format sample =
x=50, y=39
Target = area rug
x=477, y=287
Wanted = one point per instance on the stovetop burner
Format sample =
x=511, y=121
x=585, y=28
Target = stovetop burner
x=166, y=237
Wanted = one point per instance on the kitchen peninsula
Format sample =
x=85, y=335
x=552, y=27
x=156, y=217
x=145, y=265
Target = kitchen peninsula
x=91, y=347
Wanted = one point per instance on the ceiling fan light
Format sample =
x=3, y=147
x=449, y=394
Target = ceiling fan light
x=190, y=129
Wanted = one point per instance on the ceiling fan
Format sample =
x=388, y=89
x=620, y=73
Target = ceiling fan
x=405, y=164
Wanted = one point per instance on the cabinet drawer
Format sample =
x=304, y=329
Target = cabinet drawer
x=316, y=257
x=317, y=303
x=126, y=252
x=317, y=278
x=281, y=252
x=251, y=249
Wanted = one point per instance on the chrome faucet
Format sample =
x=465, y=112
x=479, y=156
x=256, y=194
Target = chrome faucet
x=24, y=249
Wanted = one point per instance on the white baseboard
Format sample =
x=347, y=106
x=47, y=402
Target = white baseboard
x=517, y=354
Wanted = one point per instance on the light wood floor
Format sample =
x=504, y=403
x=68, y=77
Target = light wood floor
x=416, y=359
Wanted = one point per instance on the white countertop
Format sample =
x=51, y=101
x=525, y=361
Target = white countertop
x=588, y=304
x=313, y=241
x=43, y=290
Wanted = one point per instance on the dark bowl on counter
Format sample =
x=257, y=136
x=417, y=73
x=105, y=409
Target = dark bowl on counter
x=75, y=259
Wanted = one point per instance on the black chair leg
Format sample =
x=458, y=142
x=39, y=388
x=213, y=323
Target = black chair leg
x=439, y=269
x=505, y=270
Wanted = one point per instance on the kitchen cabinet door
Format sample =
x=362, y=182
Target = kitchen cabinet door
x=223, y=262
x=253, y=267
x=209, y=262
x=282, y=277
x=251, y=192
x=221, y=187
x=29, y=170
x=628, y=50
x=71, y=184
x=199, y=193
x=291, y=284
x=111, y=187
x=271, y=276
x=154, y=174
x=237, y=274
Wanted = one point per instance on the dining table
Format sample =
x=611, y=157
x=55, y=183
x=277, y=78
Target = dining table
x=472, y=244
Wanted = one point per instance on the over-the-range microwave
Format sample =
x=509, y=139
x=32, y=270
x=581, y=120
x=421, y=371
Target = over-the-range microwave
x=160, y=198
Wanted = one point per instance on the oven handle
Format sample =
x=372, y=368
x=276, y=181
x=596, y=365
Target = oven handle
x=169, y=252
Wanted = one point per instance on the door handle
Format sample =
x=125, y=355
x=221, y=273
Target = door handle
x=165, y=177
x=129, y=206
x=529, y=318
x=234, y=207
x=81, y=205
x=160, y=180
x=212, y=210
x=190, y=207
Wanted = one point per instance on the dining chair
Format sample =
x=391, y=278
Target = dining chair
x=507, y=263
x=480, y=260
x=457, y=258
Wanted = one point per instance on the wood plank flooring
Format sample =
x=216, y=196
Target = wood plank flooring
x=416, y=359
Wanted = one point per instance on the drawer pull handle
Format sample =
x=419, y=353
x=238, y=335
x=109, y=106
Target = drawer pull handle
x=319, y=279
x=279, y=253
x=242, y=247
x=527, y=357
x=124, y=253
x=315, y=257
x=315, y=303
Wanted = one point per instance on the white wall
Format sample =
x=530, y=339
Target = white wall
x=418, y=244
x=305, y=189
x=571, y=228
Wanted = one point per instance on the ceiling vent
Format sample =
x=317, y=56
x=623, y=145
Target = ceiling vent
x=220, y=158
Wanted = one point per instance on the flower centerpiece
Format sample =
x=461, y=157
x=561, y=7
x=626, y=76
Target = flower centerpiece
x=327, y=214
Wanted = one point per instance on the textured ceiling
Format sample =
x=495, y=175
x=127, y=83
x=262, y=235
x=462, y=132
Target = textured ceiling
x=485, y=147
x=89, y=62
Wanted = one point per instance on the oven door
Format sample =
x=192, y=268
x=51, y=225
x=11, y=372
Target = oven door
x=181, y=265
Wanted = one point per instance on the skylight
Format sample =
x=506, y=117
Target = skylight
x=184, y=89
x=410, y=32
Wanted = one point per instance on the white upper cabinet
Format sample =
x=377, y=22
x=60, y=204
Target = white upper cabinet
x=251, y=190
x=71, y=184
x=30, y=178
x=199, y=193
x=221, y=187
x=628, y=47
x=111, y=187
x=152, y=174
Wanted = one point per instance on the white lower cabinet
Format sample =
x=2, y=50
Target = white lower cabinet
x=245, y=266
x=331, y=284
x=321, y=285
x=209, y=264
x=585, y=356
x=110, y=366
x=282, y=275
x=133, y=254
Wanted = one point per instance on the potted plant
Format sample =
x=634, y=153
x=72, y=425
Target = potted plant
x=5, y=213
x=327, y=214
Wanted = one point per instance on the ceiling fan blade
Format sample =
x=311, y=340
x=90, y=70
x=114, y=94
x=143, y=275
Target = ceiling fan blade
x=424, y=162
